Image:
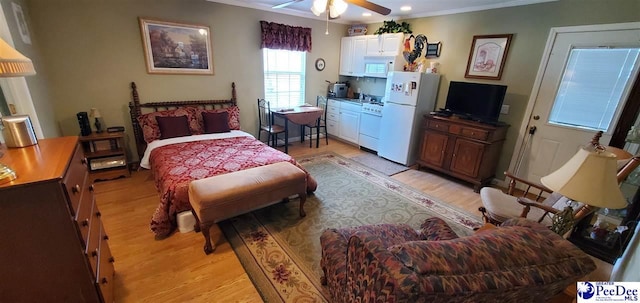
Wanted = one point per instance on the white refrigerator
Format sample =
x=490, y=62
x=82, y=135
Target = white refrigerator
x=408, y=96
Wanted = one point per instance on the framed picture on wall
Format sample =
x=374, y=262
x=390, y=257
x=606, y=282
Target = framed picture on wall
x=487, y=56
x=176, y=48
x=22, y=23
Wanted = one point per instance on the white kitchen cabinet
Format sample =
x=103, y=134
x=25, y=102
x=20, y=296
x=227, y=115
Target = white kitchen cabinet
x=350, y=121
x=349, y=126
x=343, y=120
x=388, y=45
x=333, y=117
x=352, y=51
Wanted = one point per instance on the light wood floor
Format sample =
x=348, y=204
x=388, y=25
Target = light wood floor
x=176, y=269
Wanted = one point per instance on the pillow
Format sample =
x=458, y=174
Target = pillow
x=234, y=116
x=171, y=127
x=216, y=122
x=149, y=124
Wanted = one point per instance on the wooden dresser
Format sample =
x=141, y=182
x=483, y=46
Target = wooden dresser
x=463, y=149
x=53, y=245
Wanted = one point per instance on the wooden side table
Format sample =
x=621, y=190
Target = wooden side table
x=106, y=156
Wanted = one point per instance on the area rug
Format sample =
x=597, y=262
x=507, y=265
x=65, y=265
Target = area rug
x=281, y=251
x=377, y=163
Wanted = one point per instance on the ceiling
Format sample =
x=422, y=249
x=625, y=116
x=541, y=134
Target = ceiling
x=353, y=15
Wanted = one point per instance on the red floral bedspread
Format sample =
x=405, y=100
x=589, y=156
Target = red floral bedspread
x=175, y=165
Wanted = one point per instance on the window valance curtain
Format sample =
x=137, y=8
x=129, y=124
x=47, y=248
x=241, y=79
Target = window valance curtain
x=281, y=36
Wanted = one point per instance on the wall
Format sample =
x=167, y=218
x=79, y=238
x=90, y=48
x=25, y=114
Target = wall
x=93, y=50
x=530, y=25
x=38, y=84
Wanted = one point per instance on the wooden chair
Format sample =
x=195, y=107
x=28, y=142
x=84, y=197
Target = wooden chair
x=320, y=124
x=265, y=119
x=536, y=202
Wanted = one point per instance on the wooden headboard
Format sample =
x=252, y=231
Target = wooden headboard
x=136, y=109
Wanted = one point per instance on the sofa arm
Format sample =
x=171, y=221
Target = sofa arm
x=375, y=275
x=334, y=262
x=436, y=229
x=334, y=244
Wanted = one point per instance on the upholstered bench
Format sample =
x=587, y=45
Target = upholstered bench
x=224, y=196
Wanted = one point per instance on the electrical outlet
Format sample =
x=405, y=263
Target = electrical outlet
x=505, y=109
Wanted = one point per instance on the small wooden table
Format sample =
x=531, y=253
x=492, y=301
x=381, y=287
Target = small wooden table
x=106, y=155
x=301, y=115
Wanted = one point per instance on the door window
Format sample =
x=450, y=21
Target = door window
x=593, y=87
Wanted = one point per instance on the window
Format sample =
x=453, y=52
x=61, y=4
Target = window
x=284, y=77
x=593, y=86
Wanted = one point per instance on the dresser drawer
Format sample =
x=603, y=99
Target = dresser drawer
x=83, y=215
x=474, y=133
x=74, y=179
x=93, y=244
x=105, y=276
x=437, y=125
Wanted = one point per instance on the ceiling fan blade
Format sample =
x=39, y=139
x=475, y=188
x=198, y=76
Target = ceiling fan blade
x=370, y=6
x=281, y=5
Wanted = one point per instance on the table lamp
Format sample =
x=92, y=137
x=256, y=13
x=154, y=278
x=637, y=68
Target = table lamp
x=96, y=114
x=588, y=177
x=12, y=64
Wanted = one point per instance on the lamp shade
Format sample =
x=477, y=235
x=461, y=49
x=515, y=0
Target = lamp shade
x=589, y=177
x=94, y=113
x=13, y=63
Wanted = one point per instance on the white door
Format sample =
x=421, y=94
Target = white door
x=583, y=81
x=391, y=44
x=359, y=45
x=349, y=124
x=396, y=132
x=373, y=45
x=403, y=87
x=346, y=49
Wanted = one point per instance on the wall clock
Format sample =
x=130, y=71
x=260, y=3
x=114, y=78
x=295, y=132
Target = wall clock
x=320, y=64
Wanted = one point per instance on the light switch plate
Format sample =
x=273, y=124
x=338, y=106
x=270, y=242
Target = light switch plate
x=504, y=110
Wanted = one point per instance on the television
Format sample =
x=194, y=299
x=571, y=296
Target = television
x=475, y=101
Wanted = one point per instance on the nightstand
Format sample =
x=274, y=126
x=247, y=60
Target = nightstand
x=106, y=155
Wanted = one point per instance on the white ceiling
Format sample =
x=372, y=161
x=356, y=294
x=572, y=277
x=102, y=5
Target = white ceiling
x=353, y=15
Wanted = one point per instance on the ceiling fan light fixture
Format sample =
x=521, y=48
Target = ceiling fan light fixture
x=366, y=14
x=337, y=8
x=405, y=8
x=318, y=7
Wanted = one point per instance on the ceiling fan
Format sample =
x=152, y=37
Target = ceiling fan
x=335, y=8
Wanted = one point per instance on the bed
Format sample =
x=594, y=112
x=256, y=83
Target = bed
x=178, y=160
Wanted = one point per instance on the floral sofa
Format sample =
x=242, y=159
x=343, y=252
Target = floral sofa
x=520, y=261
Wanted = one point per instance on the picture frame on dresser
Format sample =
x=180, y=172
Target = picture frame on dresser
x=176, y=48
x=487, y=56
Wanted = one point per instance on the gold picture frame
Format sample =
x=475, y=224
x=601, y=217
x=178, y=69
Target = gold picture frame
x=487, y=56
x=176, y=48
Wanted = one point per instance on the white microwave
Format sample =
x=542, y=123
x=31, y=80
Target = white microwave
x=379, y=66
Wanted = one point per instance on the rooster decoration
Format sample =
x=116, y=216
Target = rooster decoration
x=412, y=55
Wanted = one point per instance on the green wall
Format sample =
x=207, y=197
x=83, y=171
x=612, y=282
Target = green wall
x=91, y=50
x=530, y=25
x=38, y=84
